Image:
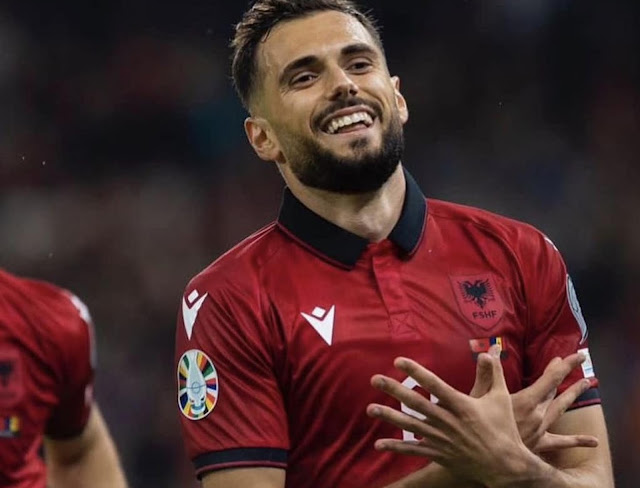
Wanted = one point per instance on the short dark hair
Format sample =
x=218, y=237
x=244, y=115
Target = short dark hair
x=263, y=16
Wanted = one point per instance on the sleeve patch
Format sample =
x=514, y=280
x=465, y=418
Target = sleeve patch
x=587, y=365
x=572, y=297
x=198, y=385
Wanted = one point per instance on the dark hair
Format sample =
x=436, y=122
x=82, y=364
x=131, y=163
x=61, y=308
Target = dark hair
x=263, y=16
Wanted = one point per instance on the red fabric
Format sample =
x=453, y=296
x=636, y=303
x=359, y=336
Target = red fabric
x=40, y=324
x=282, y=386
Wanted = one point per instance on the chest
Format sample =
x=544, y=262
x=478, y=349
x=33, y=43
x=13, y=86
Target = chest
x=341, y=327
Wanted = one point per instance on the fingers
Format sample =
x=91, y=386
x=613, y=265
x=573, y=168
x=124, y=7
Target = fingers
x=553, y=442
x=564, y=401
x=554, y=374
x=411, y=448
x=429, y=381
x=403, y=421
x=553, y=363
x=498, y=381
x=484, y=377
x=412, y=399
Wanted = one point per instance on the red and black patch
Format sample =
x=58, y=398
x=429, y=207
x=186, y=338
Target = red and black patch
x=478, y=299
x=11, y=379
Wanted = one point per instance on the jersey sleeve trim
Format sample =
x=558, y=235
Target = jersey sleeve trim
x=589, y=397
x=243, y=457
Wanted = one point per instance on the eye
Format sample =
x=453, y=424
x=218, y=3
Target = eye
x=360, y=65
x=303, y=79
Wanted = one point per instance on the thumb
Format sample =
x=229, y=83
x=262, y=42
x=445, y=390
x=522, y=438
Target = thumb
x=484, y=377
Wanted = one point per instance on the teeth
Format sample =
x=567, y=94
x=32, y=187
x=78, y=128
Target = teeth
x=339, y=122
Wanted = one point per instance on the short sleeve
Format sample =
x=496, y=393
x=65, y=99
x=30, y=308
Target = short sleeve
x=556, y=326
x=231, y=408
x=76, y=343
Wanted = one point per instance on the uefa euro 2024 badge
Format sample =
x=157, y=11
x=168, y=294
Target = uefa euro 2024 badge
x=198, y=386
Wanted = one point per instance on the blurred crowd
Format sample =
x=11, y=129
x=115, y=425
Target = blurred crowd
x=124, y=169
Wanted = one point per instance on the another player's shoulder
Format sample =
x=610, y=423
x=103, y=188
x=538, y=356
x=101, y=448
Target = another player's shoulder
x=47, y=307
x=242, y=265
x=506, y=229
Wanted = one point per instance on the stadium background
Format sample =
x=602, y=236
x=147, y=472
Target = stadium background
x=124, y=169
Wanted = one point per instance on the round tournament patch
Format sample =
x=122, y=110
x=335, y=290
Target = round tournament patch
x=197, y=384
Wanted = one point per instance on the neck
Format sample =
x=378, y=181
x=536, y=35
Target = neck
x=369, y=215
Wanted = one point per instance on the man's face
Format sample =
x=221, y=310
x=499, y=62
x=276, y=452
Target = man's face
x=335, y=113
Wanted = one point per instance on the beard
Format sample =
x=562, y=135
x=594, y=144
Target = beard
x=363, y=172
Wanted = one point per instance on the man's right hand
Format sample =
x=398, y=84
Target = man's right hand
x=536, y=407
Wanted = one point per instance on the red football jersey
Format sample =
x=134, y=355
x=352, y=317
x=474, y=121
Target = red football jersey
x=46, y=374
x=278, y=339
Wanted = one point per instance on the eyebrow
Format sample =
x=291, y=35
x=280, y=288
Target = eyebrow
x=303, y=62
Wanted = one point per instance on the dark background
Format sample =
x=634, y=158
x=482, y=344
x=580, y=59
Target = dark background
x=124, y=169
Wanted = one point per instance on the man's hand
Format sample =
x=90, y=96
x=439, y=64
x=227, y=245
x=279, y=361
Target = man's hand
x=476, y=438
x=536, y=407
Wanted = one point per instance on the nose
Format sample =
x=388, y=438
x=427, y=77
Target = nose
x=341, y=85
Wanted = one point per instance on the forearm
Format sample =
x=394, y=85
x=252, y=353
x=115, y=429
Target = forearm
x=433, y=476
x=88, y=460
x=97, y=467
x=533, y=472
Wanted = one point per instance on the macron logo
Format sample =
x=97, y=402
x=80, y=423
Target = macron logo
x=190, y=310
x=322, y=321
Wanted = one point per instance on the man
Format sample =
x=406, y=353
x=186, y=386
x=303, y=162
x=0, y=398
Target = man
x=47, y=363
x=278, y=339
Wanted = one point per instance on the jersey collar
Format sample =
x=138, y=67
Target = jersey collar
x=340, y=246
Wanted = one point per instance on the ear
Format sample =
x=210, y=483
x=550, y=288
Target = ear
x=401, y=103
x=262, y=138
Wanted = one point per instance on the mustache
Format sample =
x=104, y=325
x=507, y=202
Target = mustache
x=346, y=103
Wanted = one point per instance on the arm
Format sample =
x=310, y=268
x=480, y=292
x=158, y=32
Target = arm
x=239, y=423
x=245, y=478
x=579, y=467
x=90, y=459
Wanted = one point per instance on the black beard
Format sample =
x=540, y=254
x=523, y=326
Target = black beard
x=367, y=171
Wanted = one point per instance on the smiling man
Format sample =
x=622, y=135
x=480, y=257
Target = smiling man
x=278, y=339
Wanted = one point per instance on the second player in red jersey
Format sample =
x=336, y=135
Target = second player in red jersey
x=47, y=360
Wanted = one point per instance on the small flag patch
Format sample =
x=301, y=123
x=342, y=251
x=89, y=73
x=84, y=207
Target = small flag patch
x=483, y=344
x=9, y=427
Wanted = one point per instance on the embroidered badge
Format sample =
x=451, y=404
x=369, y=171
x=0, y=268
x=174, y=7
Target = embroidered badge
x=478, y=299
x=198, y=387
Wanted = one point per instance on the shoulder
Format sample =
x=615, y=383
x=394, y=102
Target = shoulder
x=512, y=232
x=52, y=311
x=241, y=268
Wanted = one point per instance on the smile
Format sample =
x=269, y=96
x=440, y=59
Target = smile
x=348, y=123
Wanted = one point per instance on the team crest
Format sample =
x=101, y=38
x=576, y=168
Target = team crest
x=478, y=299
x=198, y=387
x=11, y=381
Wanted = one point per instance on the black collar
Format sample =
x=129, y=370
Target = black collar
x=340, y=246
